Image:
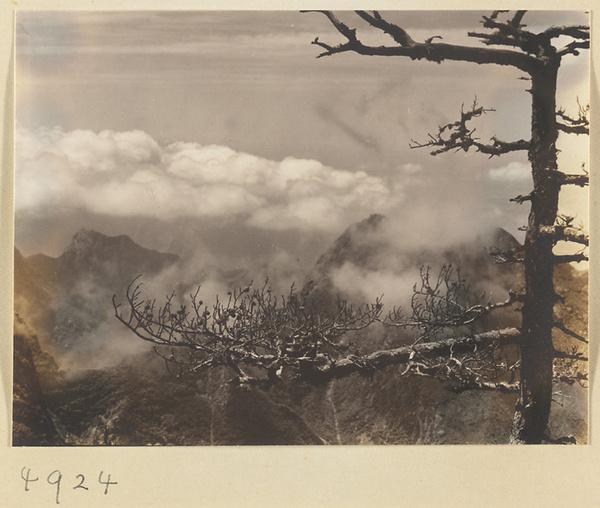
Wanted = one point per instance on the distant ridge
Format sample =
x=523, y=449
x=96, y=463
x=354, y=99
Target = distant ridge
x=368, y=246
x=66, y=298
x=111, y=261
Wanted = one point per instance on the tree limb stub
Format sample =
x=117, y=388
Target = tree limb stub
x=579, y=180
x=567, y=234
x=571, y=258
x=582, y=180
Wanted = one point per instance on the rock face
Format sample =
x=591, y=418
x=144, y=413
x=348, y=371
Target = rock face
x=107, y=261
x=34, y=372
x=136, y=401
x=69, y=297
x=360, y=244
x=375, y=249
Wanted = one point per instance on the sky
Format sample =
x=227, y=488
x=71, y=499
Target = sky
x=222, y=132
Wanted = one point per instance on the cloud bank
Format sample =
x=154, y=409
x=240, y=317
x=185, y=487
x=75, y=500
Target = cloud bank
x=130, y=174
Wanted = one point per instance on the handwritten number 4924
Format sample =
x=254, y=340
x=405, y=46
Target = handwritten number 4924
x=56, y=477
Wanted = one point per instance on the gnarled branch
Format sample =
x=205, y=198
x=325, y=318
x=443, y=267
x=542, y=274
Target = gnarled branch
x=397, y=33
x=427, y=350
x=446, y=301
x=572, y=125
x=458, y=136
x=434, y=52
x=251, y=327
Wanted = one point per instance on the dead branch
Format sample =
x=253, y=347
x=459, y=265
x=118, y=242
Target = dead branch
x=427, y=350
x=573, y=31
x=580, y=378
x=581, y=180
x=251, y=327
x=573, y=48
x=509, y=33
x=570, y=258
x=397, y=33
x=254, y=329
x=575, y=125
x=570, y=333
x=570, y=356
x=446, y=301
x=458, y=136
x=566, y=234
x=434, y=52
x=520, y=199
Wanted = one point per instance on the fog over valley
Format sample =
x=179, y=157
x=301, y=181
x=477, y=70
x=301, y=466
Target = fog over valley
x=360, y=252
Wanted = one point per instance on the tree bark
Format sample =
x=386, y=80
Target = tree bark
x=403, y=355
x=537, y=351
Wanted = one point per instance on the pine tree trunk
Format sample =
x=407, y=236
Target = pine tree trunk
x=537, y=351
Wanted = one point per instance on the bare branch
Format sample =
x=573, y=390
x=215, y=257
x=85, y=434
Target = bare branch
x=521, y=199
x=573, y=47
x=397, y=33
x=573, y=129
x=570, y=356
x=579, y=180
x=345, y=30
x=567, y=234
x=580, y=33
x=571, y=258
x=428, y=350
x=458, y=136
x=255, y=329
x=512, y=28
x=570, y=179
x=446, y=301
x=570, y=333
x=518, y=17
x=251, y=327
x=434, y=52
x=574, y=31
x=579, y=125
x=510, y=33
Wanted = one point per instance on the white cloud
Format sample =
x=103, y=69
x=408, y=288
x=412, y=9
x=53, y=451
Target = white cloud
x=512, y=172
x=130, y=174
x=368, y=285
x=411, y=168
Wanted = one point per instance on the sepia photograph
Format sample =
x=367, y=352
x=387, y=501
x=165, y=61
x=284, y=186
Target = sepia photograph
x=274, y=227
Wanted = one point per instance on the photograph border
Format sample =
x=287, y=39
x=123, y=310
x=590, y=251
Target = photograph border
x=294, y=476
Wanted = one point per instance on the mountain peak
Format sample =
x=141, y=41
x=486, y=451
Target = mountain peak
x=86, y=240
x=503, y=240
x=371, y=224
x=110, y=259
x=357, y=243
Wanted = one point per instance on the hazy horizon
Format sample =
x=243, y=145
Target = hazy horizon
x=162, y=125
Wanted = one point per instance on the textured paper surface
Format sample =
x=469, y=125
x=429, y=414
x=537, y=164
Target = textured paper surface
x=415, y=476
